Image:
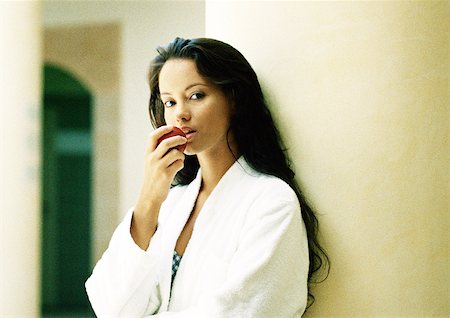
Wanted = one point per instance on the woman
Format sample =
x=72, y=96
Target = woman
x=220, y=230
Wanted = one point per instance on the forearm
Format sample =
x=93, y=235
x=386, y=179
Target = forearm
x=115, y=287
x=144, y=222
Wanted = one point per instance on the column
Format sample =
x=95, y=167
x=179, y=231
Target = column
x=20, y=89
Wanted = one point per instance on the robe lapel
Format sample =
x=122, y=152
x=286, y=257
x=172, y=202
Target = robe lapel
x=225, y=189
x=179, y=217
x=174, y=225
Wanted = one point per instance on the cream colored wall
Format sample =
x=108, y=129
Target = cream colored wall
x=92, y=54
x=20, y=91
x=360, y=90
x=144, y=25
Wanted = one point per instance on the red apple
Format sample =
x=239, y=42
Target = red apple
x=175, y=132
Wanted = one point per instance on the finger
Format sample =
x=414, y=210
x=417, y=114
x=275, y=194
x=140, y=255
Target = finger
x=175, y=167
x=173, y=141
x=156, y=134
x=168, y=144
x=172, y=156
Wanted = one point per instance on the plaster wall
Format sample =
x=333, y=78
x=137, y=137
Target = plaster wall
x=360, y=91
x=142, y=25
x=91, y=54
x=20, y=91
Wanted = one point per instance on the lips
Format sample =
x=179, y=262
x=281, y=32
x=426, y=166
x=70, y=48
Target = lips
x=188, y=131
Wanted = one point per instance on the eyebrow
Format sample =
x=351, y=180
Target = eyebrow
x=189, y=87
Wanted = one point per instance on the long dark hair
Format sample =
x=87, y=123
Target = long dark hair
x=254, y=130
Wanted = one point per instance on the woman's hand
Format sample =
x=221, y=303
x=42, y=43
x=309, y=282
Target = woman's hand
x=162, y=162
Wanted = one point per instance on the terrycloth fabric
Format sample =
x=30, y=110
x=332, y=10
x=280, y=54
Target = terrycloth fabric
x=247, y=256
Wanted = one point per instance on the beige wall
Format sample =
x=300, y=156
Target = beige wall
x=20, y=91
x=360, y=90
x=92, y=54
x=143, y=26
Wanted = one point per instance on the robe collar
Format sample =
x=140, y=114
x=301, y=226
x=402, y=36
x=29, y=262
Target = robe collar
x=185, y=205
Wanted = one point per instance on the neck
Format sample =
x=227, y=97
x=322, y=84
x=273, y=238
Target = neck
x=213, y=168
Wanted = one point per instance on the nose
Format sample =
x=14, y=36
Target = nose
x=182, y=113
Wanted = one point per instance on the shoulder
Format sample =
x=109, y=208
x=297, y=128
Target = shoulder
x=275, y=196
x=267, y=187
x=276, y=188
x=274, y=209
x=269, y=195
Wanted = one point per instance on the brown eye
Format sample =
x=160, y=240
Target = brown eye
x=169, y=103
x=197, y=96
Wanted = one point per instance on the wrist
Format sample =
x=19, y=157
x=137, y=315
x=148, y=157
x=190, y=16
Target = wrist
x=147, y=211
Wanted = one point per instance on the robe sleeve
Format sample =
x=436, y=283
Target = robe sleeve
x=124, y=282
x=267, y=276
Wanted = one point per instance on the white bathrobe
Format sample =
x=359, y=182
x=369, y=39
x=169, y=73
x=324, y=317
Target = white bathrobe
x=247, y=256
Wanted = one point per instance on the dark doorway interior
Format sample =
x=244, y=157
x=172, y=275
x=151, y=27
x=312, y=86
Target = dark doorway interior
x=66, y=185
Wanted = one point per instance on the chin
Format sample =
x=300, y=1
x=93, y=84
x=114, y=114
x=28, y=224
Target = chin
x=195, y=149
x=189, y=152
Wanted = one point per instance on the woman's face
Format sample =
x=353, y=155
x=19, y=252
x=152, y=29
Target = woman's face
x=197, y=106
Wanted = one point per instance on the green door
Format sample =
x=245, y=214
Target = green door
x=67, y=161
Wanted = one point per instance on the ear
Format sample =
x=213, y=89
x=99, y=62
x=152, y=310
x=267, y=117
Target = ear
x=232, y=101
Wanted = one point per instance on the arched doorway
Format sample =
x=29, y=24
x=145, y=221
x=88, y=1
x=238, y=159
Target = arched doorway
x=66, y=185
